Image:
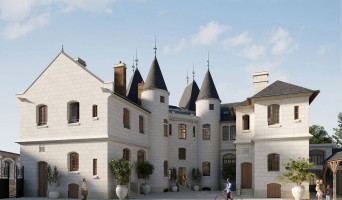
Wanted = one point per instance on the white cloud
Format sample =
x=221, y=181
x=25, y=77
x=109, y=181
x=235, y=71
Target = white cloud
x=177, y=48
x=15, y=30
x=208, y=34
x=15, y=10
x=272, y=66
x=108, y=11
x=325, y=49
x=282, y=42
x=91, y=6
x=162, y=12
x=242, y=39
x=254, y=52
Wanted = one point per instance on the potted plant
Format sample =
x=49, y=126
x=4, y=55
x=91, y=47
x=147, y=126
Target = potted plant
x=121, y=171
x=146, y=169
x=196, y=178
x=54, y=180
x=297, y=171
x=174, y=180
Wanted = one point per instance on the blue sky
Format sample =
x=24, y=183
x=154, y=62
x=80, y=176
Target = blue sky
x=296, y=41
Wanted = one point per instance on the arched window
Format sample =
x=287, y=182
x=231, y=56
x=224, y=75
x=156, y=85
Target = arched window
x=74, y=162
x=273, y=114
x=206, y=168
x=230, y=159
x=165, y=168
x=182, y=154
x=225, y=133
x=140, y=158
x=94, y=110
x=317, y=157
x=42, y=115
x=206, y=132
x=181, y=131
x=126, y=117
x=7, y=168
x=166, y=124
x=245, y=122
x=141, y=124
x=126, y=154
x=273, y=162
x=74, y=112
x=233, y=132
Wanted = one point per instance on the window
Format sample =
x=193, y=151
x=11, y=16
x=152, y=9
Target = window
x=225, y=133
x=181, y=131
x=126, y=117
x=206, y=132
x=233, y=132
x=165, y=127
x=245, y=122
x=74, y=112
x=296, y=112
x=7, y=169
x=230, y=159
x=165, y=168
x=94, y=167
x=193, y=131
x=125, y=154
x=162, y=99
x=206, y=168
x=182, y=154
x=170, y=129
x=140, y=158
x=273, y=162
x=317, y=157
x=211, y=106
x=41, y=148
x=94, y=110
x=73, y=161
x=141, y=124
x=42, y=115
x=273, y=114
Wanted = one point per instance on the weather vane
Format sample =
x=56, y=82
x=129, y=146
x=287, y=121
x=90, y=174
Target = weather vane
x=187, y=76
x=155, y=46
x=208, y=60
x=133, y=64
x=193, y=72
x=136, y=58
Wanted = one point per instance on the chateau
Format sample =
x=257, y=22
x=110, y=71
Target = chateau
x=71, y=118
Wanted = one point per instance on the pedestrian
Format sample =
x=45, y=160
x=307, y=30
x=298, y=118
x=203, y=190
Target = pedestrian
x=84, y=189
x=328, y=193
x=228, y=188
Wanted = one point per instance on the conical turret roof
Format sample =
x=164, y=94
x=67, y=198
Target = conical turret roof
x=155, y=79
x=208, y=89
x=189, y=96
x=132, y=89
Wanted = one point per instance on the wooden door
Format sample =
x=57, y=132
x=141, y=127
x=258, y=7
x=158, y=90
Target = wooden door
x=273, y=190
x=246, y=175
x=181, y=173
x=73, y=191
x=42, y=181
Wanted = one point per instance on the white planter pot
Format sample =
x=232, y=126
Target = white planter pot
x=298, y=192
x=196, y=187
x=53, y=194
x=121, y=191
x=145, y=188
x=174, y=188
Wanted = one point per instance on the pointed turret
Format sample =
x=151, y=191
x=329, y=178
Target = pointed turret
x=132, y=89
x=189, y=96
x=155, y=79
x=208, y=89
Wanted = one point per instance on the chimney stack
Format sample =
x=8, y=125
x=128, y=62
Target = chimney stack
x=82, y=62
x=120, y=78
x=260, y=81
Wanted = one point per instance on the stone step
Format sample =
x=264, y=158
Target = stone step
x=133, y=195
x=247, y=192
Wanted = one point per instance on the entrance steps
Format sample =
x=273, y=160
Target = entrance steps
x=133, y=195
x=247, y=192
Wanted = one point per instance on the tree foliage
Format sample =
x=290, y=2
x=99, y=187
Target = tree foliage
x=53, y=176
x=297, y=171
x=121, y=170
x=228, y=171
x=146, y=169
x=173, y=175
x=320, y=135
x=196, y=175
x=338, y=132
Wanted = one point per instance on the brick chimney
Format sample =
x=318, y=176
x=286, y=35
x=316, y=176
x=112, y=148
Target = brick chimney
x=260, y=81
x=140, y=88
x=120, y=78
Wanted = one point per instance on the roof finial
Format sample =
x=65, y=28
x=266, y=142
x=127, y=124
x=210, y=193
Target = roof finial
x=133, y=64
x=208, y=60
x=155, y=45
x=193, y=72
x=187, y=76
x=136, y=58
x=62, y=50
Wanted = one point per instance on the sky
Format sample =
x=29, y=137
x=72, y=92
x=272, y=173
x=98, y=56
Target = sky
x=297, y=41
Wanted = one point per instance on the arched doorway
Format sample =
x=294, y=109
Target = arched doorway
x=73, y=191
x=246, y=175
x=181, y=173
x=273, y=190
x=42, y=181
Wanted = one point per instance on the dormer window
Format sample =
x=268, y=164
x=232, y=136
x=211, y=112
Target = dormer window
x=42, y=115
x=211, y=106
x=74, y=112
x=273, y=114
x=162, y=99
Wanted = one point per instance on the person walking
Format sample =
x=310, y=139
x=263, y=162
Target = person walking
x=84, y=189
x=228, y=189
x=328, y=193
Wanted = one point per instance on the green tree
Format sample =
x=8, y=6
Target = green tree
x=338, y=132
x=228, y=172
x=121, y=170
x=297, y=171
x=146, y=169
x=196, y=175
x=320, y=135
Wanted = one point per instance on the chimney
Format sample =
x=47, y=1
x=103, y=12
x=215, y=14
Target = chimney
x=120, y=78
x=260, y=81
x=140, y=88
x=80, y=61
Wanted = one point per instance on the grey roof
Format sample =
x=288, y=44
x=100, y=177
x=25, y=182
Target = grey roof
x=179, y=110
x=155, y=79
x=334, y=157
x=226, y=115
x=189, y=96
x=132, y=89
x=208, y=89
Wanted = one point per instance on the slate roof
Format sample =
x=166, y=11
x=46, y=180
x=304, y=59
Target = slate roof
x=208, y=89
x=189, y=96
x=155, y=79
x=334, y=157
x=132, y=89
x=179, y=110
x=226, y=115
